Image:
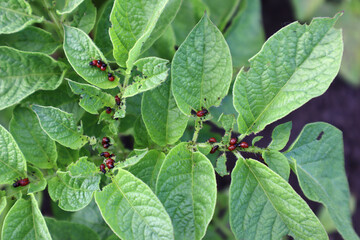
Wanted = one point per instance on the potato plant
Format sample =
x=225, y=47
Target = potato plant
x=79, y=83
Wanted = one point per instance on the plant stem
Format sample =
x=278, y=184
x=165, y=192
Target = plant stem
x=198, y=127
x=55, y=19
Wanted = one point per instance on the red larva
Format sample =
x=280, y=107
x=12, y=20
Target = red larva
x=103, y=67
x=106, y=145
x=105, y=154
x=105, y=140
x=202, y=113
x=108, y=110
x=214, y=148
x=102, y=168
x=109, y=163
x=111, y=77
x=99, y=63
x=212, y=140
x=231, y=147
x=117, y=100
x=21, y=182
x=233, y=141
x=243, y=145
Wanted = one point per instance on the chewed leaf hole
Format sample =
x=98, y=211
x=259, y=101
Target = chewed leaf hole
x=320, y=135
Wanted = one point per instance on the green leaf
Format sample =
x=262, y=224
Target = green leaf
x=227, y=121
x=3, y=201
x=60, y=126
x=101, y=30
x=25, y=221
x=187, y=187
x=31, y=39
x=132, y=24
x=37, y=180
x=75, y=192
x=206, y=74
x=15, y=16
x=142, y=138
x=132, y=210
x=280, y=136
x=37, y=71
x=264, y=206
x=66, y=156
x=245, y=35
x=27, y=132
x=221, y=14
x=80, y=50
x=153, y=72
x=164, y=121
x=278, y=163
x=90, y=216
x=221, y=165
x=295, y=65
x=256, y=139
x=84, y=17
x=147, y=169
x=91, y=98
x=66, y=6
x=305, y=9
x=140, y=154
x=12, y=161
x=317, y=158
x=61, y=230
x=166, y=17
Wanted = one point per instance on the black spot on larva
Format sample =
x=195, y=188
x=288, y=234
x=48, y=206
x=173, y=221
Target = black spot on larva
x=320, y=135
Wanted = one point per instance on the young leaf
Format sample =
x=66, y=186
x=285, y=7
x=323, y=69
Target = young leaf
x=28, y=134
x=25, y=221
x=66, y=6
x=206, y=74
x=147, y=169
x=60, y=126
x=164, y=121
x=263, y=204
x=317, y=158
x=247, y=22
x=75, y=192
x=295, y=65
x=37, y=180
x=221, y=165
x=256, y=139
x=84, y=17
x=153, y=72
x=278, y=163
x=61, y=230
x=15, y=16
x=132, y=24
x=91, y=217
x=12, y=161
x=280, y=136
x=80, y=50
x=101, y=30
x=25, y=73
x=91, y=98
x=187, y=187
x=128, y=205
x=31, y=39
x=227, y=121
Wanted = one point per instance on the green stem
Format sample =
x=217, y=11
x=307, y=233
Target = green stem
x=55, y=19
x=224, y=229
x=198, y=127
x=126, y=82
